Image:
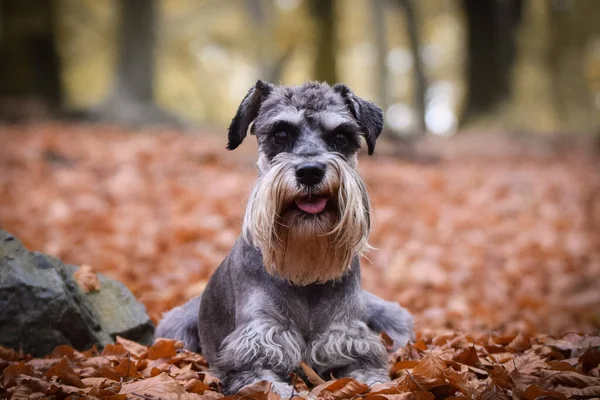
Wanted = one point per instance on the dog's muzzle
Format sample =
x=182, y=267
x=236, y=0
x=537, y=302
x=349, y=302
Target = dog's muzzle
x=308, y=217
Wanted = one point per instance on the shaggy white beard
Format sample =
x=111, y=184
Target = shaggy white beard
x=303, y=248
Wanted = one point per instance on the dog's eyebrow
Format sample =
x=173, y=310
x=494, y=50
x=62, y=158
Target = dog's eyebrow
x=330, y=121
x=293, y=118
x=345, y=127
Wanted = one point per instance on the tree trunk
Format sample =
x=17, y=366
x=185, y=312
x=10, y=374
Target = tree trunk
x=325, y=61
x=135, y=67
x=551, y=93
x=379, y=26
x=30, y=83
x=570, y=34
x=491, y=52
x=132, y=99
x=419, y=69
x=270, y=63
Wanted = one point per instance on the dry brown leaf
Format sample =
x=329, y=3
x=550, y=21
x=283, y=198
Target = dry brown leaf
x=388, y=342
x=195, y=386
x=430, y=367
x=93, y=352
x=87, y=279
x=312, y=376
x=97, y=382
x=24, y=392
x=534, y=392
x=162, y=348
x=135, y=349
x=560, y=366
x=493, y=393
x=402, y=396
x=127, y=368
x=519, y=344
x=256, y=387
x=467, y=356
x=298, y=383
x=402, y=365
x=588, y=392
x=568, y=378
x=161, y=386
x=590, y=359
x=343, y=388
x=460, y=381
x=527, y=363
x=114, y=350
x=16, y=369
x=9, y=354
x=63, y=371
x=105, y=371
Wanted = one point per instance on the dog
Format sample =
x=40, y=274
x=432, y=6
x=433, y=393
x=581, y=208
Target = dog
x=290, y=289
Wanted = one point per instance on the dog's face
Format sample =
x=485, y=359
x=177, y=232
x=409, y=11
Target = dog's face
x=309, y=210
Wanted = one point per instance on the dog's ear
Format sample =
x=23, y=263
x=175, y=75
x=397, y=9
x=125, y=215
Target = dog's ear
x=247, y=112
x=367, y=114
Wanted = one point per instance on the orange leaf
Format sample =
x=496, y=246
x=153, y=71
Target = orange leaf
x=135, y=349
x=430, y=367
x=14, y=370
x=310, y=373
x=533, y=392
x=114, y=350
x=344, y=388
x=401, y=365
x=161, y=386
x=65, y=373
x=467, y=356
x=162, y=348
x=87, y=279
x=127, y=368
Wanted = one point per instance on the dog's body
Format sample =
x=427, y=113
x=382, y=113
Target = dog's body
x=290, y=290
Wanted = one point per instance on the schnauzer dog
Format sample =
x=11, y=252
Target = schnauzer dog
x=290, y=289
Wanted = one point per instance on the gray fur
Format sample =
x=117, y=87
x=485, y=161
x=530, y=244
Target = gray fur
x=181, y=323
x=254, y=325
x=389, y=317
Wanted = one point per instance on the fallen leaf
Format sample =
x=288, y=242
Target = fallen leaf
x=161, y=386
x=310, y=373
x=16, y=369
x=65, y=373
x=534, y=392
x=162, y=348
x=344, y=388
x=87, y=279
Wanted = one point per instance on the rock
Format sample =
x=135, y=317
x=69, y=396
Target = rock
x=41, y=305
x=119, y=312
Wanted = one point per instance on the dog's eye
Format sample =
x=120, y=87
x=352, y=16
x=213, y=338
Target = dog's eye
x=340, y=140
x=280, y=137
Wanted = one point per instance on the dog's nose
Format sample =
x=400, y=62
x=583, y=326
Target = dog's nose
x=310, y=173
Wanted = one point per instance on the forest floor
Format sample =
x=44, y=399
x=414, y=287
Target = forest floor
x=493, y=244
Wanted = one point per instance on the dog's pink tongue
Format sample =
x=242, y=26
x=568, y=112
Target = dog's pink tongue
x=313, y=205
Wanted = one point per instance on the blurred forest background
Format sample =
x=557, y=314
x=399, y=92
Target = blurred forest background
x=433, y=65
x=493, y=222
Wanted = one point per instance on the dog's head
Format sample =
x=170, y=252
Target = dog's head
x=309, y=210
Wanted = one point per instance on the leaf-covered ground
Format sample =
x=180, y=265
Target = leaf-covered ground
x=492, y=248
x=453, y=366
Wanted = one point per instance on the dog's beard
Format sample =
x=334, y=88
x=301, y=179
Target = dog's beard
x=305, y=248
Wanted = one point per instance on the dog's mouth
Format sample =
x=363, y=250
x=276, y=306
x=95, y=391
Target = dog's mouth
x=313, y=204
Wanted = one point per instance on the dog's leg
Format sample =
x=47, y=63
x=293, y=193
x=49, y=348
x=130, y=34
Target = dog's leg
x=181, y=323
x=350, y=349
x=260, y=349
x=389, y=317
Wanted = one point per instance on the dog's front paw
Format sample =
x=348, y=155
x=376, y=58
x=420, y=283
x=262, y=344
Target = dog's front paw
x=282, y=389
x=370, y=376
